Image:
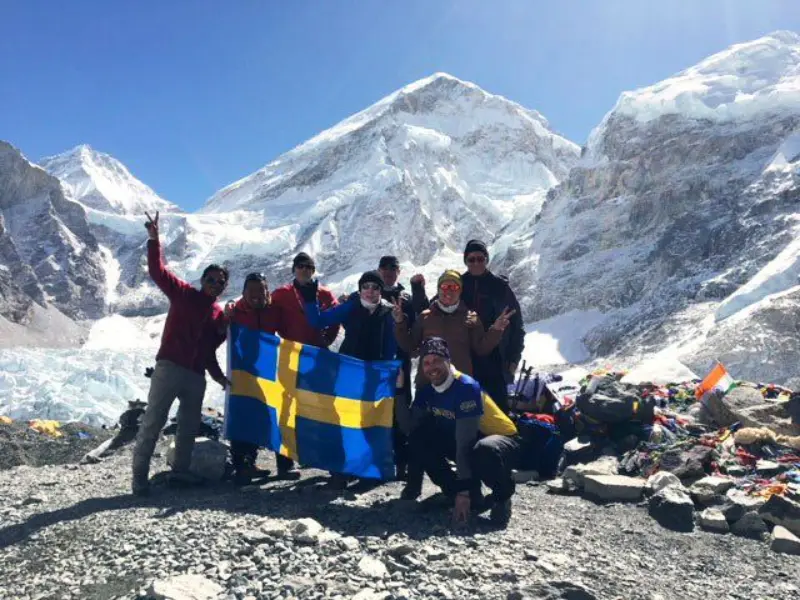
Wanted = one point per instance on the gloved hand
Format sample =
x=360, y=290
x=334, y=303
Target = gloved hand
x=309, y=291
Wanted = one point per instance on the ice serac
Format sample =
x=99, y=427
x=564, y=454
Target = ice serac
x=49, y=253
x=417, y=174
x=678, y=204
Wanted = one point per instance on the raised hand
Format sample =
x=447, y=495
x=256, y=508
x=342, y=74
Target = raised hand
x=418, y=278
x=229, y=308
x=397, y=310
x=471, y=320
x=152, y=226
x=503, y=320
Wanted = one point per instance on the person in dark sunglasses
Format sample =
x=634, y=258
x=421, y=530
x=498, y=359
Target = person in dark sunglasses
x=188, y=348
x=489, y=295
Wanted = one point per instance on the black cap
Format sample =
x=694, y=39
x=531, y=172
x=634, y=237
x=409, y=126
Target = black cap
x=475, y=246
x=388, y=262
x=303, y=259
x=371, y=277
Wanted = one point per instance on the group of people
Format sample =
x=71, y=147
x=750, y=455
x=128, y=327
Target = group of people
x=468, y=338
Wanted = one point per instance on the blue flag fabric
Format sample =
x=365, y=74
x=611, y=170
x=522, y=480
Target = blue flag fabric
x=322, y=409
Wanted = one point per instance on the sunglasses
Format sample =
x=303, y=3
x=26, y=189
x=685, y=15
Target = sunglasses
x=476, y=259
x=371, y=286
x=450, y=287
x=390, y=267
x=305, y=267
x=216, y=280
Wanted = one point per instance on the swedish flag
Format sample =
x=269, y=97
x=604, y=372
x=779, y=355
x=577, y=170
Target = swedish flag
x=322, y=409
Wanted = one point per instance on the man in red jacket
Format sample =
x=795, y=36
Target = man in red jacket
x=188, y=347
x=289, y=300
x=255, y=310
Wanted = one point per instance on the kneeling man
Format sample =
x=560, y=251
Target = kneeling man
x=455, y=419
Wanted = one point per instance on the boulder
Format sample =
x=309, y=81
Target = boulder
x=611, y=488
x=688, y=463
x=305, y=531
x=751, y=525
x=372, y=567
x=209, y=458
x=737, y=503
x=712, y=519
x=782, y=511
x=768, y=468
x=658, y=481
x=605, y=465
x=708, y=489
x=673, y=509
x=747, y=406
x=184, y=587
x=784, y=541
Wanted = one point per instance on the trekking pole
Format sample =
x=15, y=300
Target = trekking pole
x=518, y=388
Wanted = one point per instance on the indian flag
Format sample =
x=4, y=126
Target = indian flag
x=718, y=379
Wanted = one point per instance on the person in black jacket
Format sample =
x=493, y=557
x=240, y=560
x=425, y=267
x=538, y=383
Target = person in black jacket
x=489, y=295
x=389, y=268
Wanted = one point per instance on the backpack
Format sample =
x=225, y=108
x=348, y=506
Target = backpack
x=541, y=446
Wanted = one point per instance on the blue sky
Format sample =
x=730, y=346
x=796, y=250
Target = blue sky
x=192, y=95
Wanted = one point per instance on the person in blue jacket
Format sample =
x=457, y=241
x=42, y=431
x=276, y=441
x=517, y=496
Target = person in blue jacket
x=368, y=327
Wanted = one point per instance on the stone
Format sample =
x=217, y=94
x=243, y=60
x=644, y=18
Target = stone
x=686, y=463
x=349, y=543
x=370, y=594
x=610, y=488
x=184, y=587
x=707, y=489
x=435, y=553
x=768, y=468
x=784, y=541
x=735, y=470
x=605, y=465
x=712, y=519
x=274, y=529
x=400, y=549
x=305, y=531
x=559, y=590
x=658, y=481
x=209, y=458
x=782, y=511
x=737, y=503
x=34, y=499
x=558, y=486
x=747, y=406
x=751, y=525
x=372, y=567
x=255, y=536
x=672, y=508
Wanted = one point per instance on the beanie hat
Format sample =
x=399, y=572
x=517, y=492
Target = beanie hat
x=475, y=246
x=388, y=261
x=450, y=275
x=303, y=259
x=436, y=346
x=371, y=277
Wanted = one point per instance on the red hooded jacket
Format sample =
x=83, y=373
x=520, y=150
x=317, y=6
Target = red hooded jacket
x=264, y=319
x=293, y=322
x=191, y=333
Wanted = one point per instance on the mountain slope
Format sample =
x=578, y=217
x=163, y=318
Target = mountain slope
x=47, y=247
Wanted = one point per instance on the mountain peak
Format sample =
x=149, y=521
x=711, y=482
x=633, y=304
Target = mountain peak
x=100, y=181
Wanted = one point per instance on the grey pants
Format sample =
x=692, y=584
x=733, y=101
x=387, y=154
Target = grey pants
x=170, y=381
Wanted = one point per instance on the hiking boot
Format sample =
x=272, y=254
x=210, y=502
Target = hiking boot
x=338, y=481
x=246, y=475
x=288, y=473
x=411, y=492
x=402, y=472
x=140, y=484
x=501, y=513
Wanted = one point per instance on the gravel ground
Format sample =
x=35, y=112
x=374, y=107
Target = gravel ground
x=73, y=531
x=21, y=445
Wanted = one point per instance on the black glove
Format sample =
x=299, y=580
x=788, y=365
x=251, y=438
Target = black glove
x=309, y=291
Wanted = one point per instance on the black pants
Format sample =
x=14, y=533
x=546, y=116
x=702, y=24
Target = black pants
x=492, y=459
x=244, y=454
x=401, y=427
x=494, y=378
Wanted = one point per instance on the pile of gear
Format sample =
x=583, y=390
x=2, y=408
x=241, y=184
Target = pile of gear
x=730, y=462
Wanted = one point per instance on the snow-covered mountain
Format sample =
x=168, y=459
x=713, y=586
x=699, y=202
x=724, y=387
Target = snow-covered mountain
x=683, y=207
x=671, y=234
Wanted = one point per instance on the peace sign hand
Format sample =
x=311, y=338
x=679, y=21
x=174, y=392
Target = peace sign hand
x=152, y=226
x=397, y=310
x=503, y=320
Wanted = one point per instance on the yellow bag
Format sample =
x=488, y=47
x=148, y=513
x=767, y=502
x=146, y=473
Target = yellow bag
x=5, y=420
x=46, y=427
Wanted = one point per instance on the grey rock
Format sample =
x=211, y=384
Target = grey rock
x=712, y=519
x=658, y=481
x=784, y=541
x=779, y=510
x=400, y=549
x=673, y=509
x=559, y=486
x=433, y=554
x=609, y=488
x=707, y=489
x=768, y=468
x=747, y=406
x=255, y=536
x=209, y=458
x=184, y=587
x=559, y=590
x=605, y=465
x=372, y=567
x=751, y=525
x=686, y=464
x=349, y=543
x=305, y=531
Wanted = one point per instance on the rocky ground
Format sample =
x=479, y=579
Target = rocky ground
x=70, y=531
x=21, y=445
